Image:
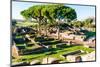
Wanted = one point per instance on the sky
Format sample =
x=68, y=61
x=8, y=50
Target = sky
x=83, y=12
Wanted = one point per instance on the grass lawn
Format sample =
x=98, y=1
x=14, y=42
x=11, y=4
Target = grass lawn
x=52, y=52
x=19, y=36
x=57, y=54
x=90, y=34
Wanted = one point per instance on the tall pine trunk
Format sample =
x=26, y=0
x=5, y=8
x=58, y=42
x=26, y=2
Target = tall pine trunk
x=58, y=30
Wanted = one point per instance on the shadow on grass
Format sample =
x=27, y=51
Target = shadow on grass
x=44, y=50
x=42, y=39
x=89, y=34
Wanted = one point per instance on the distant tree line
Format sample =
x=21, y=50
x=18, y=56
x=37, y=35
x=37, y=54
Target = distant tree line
x=88, y=23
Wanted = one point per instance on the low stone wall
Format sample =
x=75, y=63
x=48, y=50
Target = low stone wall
x=89, y=57
x=48, y=60
x=35, y=62
x=70, y=58
x=15, y=53
x=76, y=58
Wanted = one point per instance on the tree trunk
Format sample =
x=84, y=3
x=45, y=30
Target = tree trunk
x=46, y=30
x=58, y=31
x=39, y=28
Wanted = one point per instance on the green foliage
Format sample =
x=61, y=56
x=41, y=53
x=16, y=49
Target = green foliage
x=88, y=22
x=26, y=14
x=49, y=12
x=77, y=24
x=64, y=12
